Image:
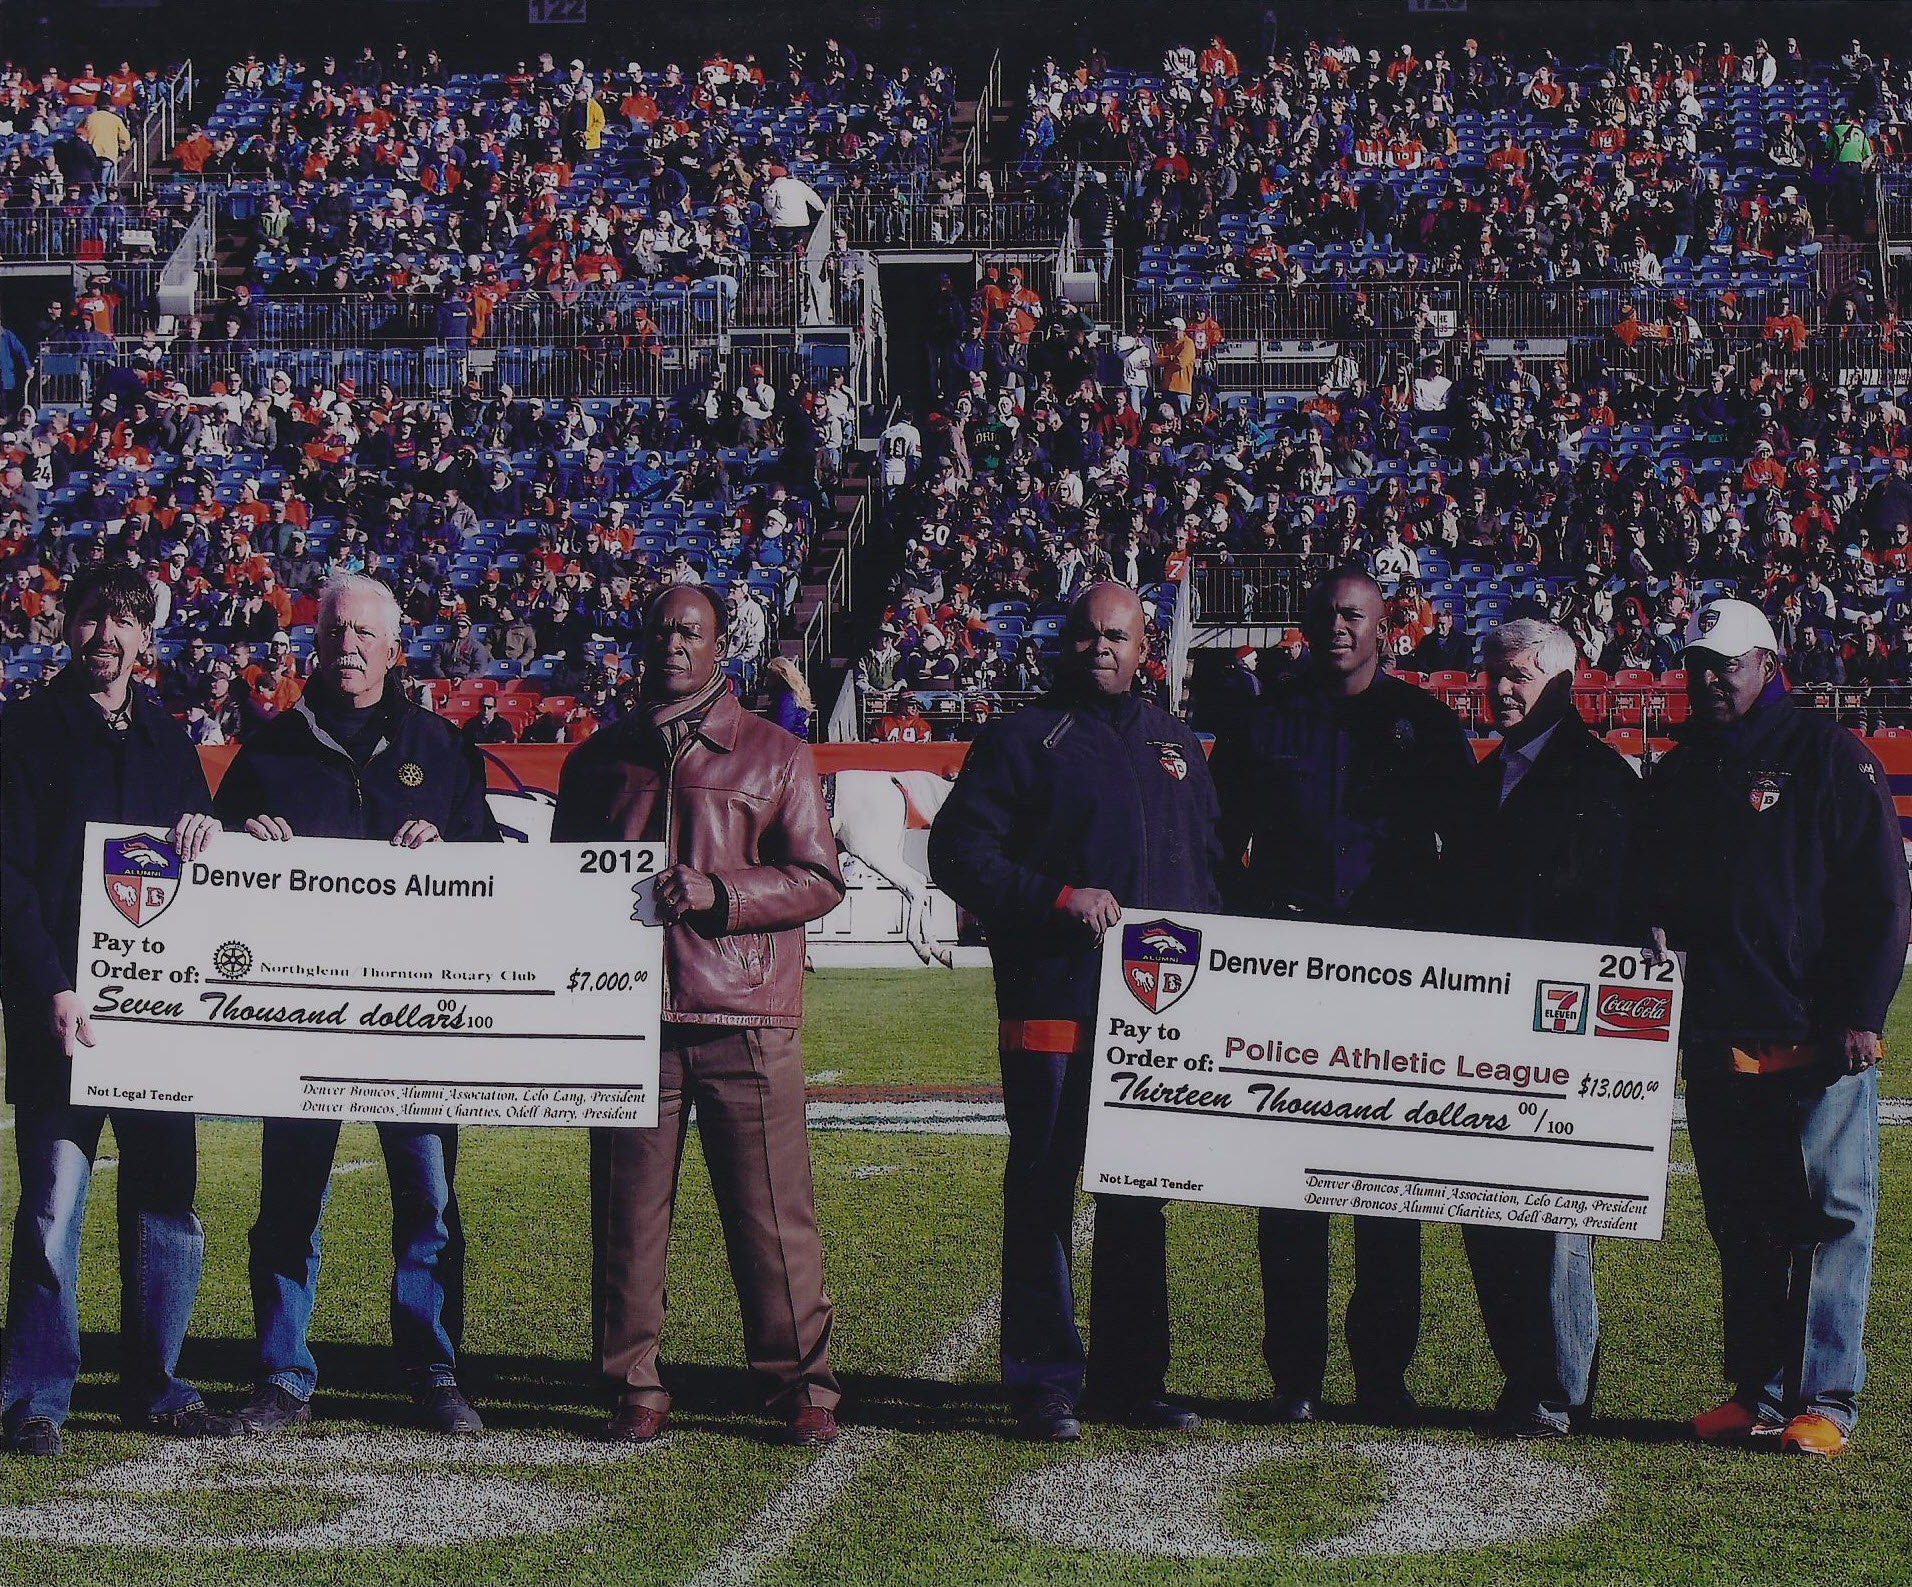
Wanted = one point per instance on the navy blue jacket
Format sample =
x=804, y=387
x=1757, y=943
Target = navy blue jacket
x=1547, y=864
x=422, y=770
x=1108, y=794
x=60, y=768
x=1342, y=806
x=1772, y=856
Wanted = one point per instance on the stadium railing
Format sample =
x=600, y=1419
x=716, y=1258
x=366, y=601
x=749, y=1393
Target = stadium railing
x=944, y=708
x=1575, y=307
x=905, y=221
x=836, y=594
x=1257, y=589
x=585, y=365
x=976, y=142
x=336, y=320
x=83, y=233
x=158, y=131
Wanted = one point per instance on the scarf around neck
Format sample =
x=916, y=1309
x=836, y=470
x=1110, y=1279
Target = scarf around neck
x=676, y=721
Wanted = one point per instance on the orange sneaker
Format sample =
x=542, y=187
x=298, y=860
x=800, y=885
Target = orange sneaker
x=1813, y=1434
x=1731, y=1423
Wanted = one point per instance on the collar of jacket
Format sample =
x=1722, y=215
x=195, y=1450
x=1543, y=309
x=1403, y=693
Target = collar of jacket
x=718, y=724
x=76, y=701
x=1085, y=700
x=1773, y=708
x=390, y=704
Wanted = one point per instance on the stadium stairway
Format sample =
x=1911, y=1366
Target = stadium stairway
x=851, y=492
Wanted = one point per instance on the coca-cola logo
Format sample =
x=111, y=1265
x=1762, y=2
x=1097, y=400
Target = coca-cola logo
x=1639, y=1012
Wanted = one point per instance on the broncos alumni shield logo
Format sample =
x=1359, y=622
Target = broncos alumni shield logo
x=141, y=876
x=1159, y=961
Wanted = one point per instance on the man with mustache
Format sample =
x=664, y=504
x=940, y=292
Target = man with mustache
x=92, y=746
x=1339, y=791
x=353, y=758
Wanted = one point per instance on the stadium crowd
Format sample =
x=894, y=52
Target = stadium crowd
x=1474, y=165
x=395, y=202
x=521, y=538
x=1608, y=503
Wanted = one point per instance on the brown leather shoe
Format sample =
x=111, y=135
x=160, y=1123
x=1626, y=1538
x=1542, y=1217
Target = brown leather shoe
x=637, y=1424
x=814, y=1426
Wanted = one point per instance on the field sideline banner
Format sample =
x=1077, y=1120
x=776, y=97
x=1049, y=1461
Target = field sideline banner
x=534, y=768
x=1403, y=1074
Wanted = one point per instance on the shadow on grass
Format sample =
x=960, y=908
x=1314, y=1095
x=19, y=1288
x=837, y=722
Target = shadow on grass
x=539, y=1394
x=523, y=1393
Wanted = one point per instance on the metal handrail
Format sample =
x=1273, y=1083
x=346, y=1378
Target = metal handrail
x=818, y=639
x=159, y=126
x=987, y=103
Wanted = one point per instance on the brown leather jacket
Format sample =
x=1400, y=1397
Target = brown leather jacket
x=743, y=804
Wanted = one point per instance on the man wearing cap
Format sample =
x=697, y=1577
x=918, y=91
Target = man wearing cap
x=1768, y=852
x=466, y=656
x=1032, y=842
x=758, y=400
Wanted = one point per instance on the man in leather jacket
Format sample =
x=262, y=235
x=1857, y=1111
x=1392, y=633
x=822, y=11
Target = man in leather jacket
x=751, y=859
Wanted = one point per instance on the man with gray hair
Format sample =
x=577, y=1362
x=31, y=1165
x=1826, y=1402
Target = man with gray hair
x=353, y=758
x=1540, y=857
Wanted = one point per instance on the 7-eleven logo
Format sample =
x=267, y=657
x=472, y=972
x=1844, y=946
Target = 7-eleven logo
x=1561, y=1007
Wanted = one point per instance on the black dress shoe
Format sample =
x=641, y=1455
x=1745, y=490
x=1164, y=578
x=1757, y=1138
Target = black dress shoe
x=443, y=1408
x=272, y=1409
x=189, y=1421
x=1293, y=1408
x=1389, y=1407
x=1050, y=1420
x=37, y=1435
x=1152, y=1414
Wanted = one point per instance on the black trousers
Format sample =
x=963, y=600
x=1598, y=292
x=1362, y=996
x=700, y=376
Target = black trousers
x=1384, y=1313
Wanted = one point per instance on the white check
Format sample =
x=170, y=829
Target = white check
x=467, y=983
x=1396, y=1074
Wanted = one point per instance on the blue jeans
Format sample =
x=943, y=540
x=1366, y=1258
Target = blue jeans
x=161, y=1245
x=1536, y=1298
x=428, y=1249
x=1789, y=1171
x=1046, y=1100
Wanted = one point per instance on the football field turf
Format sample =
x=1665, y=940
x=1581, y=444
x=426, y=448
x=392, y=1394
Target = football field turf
x=925, y=1487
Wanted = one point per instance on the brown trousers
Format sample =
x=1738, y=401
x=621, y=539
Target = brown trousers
x=747, y=1088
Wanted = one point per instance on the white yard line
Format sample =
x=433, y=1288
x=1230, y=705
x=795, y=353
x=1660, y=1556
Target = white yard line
x=778, y=1524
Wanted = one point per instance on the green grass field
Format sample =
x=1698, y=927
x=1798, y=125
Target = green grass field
x=910, y=1231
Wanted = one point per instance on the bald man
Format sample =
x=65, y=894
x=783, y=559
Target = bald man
x=1089, y=807
x=1339, y=791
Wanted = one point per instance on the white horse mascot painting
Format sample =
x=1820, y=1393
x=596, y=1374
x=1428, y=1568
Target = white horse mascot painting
x=882, y=819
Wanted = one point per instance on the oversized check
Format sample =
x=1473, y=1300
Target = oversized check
x=1393, y=1073
x=458, y=983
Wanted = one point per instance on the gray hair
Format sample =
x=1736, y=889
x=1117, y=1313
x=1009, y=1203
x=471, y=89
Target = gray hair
x=340, y=585
x=1552, y=647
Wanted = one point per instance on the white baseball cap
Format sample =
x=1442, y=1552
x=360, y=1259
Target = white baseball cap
x=1730, y=629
